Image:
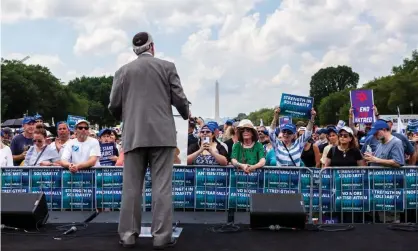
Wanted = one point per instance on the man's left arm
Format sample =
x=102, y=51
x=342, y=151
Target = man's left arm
x=115, y=104
x=178, y=98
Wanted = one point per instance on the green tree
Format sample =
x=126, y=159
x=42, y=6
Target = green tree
x=334, y=107
x=33, y=89
x=330, y=80
x=409, y=65
x=241, y=116
x=266, y=114
x=97, y=91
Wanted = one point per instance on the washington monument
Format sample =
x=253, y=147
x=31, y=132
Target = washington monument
x=217, y=119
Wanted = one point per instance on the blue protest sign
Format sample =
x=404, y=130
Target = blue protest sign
x=107, y=150
x=71, y=120
x=296, y=106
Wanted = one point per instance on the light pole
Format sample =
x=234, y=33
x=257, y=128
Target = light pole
x=412, y=107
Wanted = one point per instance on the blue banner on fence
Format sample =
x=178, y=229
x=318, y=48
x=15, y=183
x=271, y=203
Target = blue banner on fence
x=219, y=188
x=296, y=106
x=362, y=104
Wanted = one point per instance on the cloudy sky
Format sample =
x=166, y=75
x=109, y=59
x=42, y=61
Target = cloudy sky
x=256, y=49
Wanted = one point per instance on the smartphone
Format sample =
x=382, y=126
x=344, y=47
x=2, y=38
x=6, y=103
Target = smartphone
x=206, y=140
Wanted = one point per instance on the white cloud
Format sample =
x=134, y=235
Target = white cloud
x=53, y=62
x=101, y=42
x=255, y=55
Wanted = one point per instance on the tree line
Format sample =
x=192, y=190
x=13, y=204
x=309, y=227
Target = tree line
x=330, y=88
x=31, y=89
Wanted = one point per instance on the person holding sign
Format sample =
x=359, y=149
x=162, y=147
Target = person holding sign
x=108, y=148
x=289, y=149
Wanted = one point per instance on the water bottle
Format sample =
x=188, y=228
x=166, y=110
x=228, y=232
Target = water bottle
x=369, y=149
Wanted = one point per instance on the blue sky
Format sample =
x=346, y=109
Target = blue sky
x=256, y=49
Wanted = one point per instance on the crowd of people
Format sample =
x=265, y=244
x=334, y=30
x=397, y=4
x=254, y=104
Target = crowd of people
x=249, y=147
x=73, y=149
x=237, y=143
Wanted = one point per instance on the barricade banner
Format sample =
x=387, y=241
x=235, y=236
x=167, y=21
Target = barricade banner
x=219, y=188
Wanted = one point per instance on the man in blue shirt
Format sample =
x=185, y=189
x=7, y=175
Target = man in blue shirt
x=20, y=144
x=389, y=151
x=408, y=148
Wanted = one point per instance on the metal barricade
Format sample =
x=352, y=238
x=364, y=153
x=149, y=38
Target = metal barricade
x=195, y=188
x=368, y=195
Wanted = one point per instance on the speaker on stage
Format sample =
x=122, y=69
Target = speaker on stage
x=285, y=210
x=24, y=210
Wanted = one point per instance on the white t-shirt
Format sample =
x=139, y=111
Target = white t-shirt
x=6, y=158
x=77, y=152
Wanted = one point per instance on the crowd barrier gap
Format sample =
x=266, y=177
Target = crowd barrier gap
x=329, y=194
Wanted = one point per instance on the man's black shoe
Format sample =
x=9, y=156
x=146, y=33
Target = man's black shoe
x=171, y=244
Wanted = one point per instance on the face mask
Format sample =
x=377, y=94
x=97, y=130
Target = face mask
x=382, y=139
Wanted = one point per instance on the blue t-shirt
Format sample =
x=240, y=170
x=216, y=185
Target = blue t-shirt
x=18, y=145
x=391, y=150
x=407, y=146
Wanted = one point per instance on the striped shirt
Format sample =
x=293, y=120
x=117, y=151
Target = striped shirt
x=295, y=150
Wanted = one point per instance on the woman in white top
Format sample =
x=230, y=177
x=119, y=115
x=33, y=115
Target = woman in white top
x=6, y=158
x=41, y=154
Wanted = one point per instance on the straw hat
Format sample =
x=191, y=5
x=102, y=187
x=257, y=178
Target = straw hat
x=246, y=123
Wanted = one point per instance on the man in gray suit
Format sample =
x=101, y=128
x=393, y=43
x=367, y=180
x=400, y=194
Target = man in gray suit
x=142, y=96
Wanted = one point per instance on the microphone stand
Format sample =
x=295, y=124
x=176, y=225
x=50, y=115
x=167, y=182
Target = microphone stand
x=73, y=227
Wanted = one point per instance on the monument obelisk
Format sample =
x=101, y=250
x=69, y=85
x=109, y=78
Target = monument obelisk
x=217, y=119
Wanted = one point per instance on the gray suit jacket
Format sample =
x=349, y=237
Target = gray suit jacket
x=142, y=96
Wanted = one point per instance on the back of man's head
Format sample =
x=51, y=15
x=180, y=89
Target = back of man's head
x=142, y=42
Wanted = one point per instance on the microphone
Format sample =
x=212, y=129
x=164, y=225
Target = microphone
x=73, y=229
x=278, y=228
x=10, y=228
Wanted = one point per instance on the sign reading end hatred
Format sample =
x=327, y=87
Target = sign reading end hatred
x=296, y=106
x=362, y=104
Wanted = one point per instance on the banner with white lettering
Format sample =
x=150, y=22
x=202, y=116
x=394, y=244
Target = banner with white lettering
x=362, y=104
x=296, y=106
x=107, y=152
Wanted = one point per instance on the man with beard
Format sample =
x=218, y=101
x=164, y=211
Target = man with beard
x=21, y=143
x=83, y=151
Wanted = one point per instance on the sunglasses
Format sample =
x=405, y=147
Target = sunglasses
x=205, y=131
x=343, y=135
x=38, y=121
x=82, y=128
x=38, y=141
x=246, y=130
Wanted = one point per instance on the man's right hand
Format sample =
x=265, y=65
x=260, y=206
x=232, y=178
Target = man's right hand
x=23, y=155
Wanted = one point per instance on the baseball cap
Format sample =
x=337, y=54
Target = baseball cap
x=331, y=129
x=101, y=132
x=378, y=125
x=347, y=129
x=38, y=116
x=82, y=121
x=229, y=122
x=27, y=120
x=210, y=128
x=213, y=125
x=290, y=127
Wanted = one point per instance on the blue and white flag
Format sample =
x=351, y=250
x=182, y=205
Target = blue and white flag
x=401, y=128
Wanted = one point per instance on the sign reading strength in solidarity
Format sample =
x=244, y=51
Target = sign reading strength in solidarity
x=296, y=106
x=362, y=104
